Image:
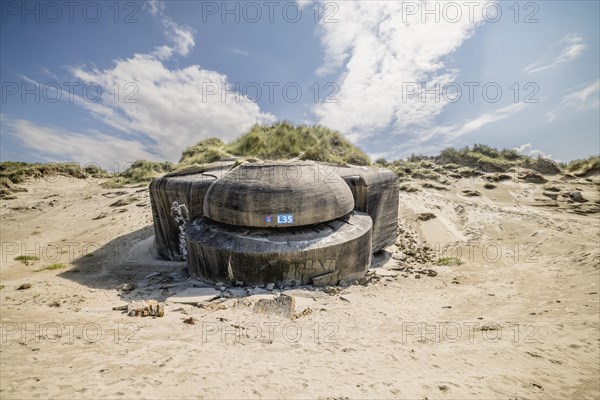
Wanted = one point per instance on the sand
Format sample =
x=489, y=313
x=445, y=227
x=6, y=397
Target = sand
x=517, y=319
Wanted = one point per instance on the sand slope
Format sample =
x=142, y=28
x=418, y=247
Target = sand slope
x=518, y=319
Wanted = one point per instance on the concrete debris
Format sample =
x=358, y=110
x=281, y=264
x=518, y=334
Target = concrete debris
x=194, y=296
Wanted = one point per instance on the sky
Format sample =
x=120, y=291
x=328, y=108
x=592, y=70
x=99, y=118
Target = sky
x=109, y=82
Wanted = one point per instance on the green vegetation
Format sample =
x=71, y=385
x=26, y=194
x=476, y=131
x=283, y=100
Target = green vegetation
x=424, y=169
x=476, y=160
x=284, y=141
x=52, y=267
x=585, y=167
x=27, y=259
x=141, y=171
x=15, y=172
x=482, y=157
x=203, y=152
x=279, y=141
x=449, y=261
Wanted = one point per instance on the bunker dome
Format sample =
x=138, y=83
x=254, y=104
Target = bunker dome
x=249, y=194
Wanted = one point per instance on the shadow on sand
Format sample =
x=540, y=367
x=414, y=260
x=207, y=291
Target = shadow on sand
x=128, y=264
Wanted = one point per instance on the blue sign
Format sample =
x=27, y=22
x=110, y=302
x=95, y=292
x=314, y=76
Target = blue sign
x=285, y=219
x=268, y=218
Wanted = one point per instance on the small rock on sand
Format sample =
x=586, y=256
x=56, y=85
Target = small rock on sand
x=126, y=287
x=145, y=308
x=284, y=306
x=124, y=202
x=425, y=216
x=577, y=197
x=385, y=272
x=532, y=177
x=471, y=193
x=24, y=286
x=194, y=296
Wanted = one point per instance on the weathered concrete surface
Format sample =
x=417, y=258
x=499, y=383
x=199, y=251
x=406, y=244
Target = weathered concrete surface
x=327, y=252
x=375, y=192
x=176, y=199
x=255, y=194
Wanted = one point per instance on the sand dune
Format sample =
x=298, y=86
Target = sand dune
x=517, y=319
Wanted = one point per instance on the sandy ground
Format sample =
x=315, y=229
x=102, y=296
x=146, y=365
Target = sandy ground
x=518, y=319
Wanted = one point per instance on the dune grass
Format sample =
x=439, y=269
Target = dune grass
x=476, y=160
x=284, y=141
x=141, y=171
x=17, y=172
x=449, y=261
x=13, y=173
x=27, y=259
x=279, y=141
x=482, y=157
x=52, y=267
x=584, y=167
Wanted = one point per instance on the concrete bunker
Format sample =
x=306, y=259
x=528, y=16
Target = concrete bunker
x=287, y=223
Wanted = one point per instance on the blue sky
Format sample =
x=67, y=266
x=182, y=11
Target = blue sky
x=108, y=82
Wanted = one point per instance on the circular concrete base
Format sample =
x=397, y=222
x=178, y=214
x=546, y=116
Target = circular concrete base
x=321, y=254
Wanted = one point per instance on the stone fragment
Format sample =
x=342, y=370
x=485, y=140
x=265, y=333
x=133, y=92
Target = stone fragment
x=425, y=216
x=385, y=272
x=145, y=308
x=532, y=177
x=194, y=296
x=284, y=306
x=577, y=197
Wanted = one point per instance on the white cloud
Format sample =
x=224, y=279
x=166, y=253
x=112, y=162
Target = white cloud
x=158, y=111
x=379, y=49
x=174, y=108
x=55, y=144
x=431, y=140
x=568, y=48
x=581, y=99
x=528, y=150
x=237, y=52
x=476, y=124
x=155, y=7
x=585, y=98
x=181, y=36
